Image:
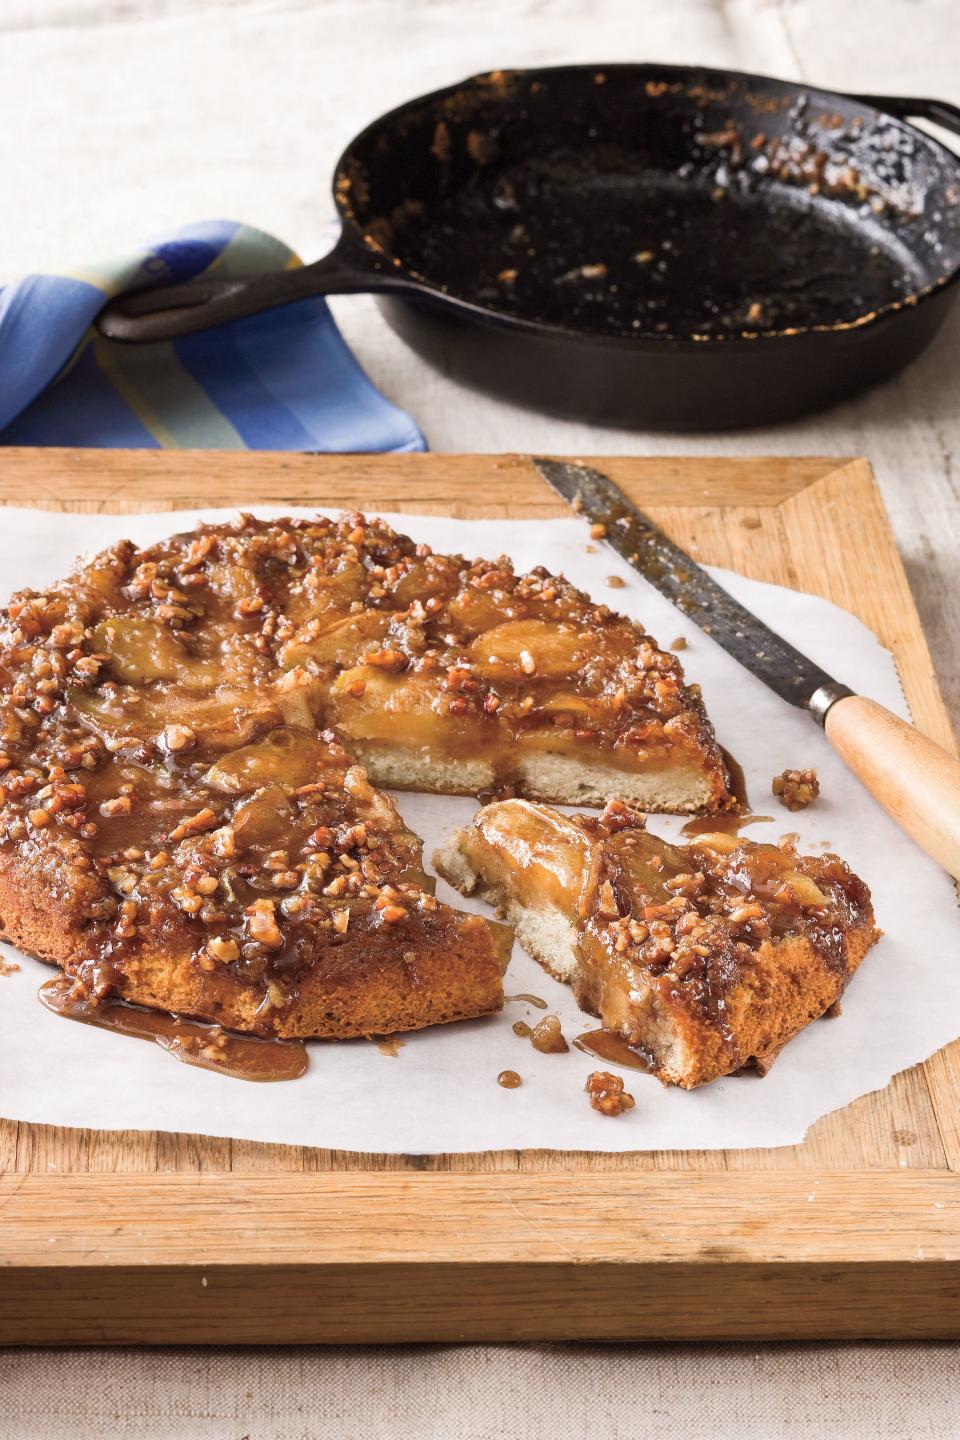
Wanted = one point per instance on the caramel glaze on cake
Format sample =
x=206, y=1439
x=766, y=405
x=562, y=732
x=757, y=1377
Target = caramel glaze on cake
x=181, y=825
x=704, y=957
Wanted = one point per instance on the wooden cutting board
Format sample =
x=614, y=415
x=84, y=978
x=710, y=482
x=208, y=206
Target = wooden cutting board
x=144, y=1237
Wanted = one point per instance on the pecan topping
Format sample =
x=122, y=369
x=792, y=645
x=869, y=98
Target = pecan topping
x=223, y=949
x=182, y=682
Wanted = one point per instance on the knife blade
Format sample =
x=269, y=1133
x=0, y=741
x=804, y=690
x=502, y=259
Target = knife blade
x=915, y=780
x=696, y=594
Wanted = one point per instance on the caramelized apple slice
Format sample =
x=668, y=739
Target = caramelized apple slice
x=223, y=720
x=142, y=650
x=546, y=853
x=529, y=647
x=264, y=821
x=340, y=643
x=372, y=704
x=323, y=594
x=286, y=757
x=637, y=866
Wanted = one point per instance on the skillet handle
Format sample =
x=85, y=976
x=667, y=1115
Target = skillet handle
x=168, y=312
x=938, y=112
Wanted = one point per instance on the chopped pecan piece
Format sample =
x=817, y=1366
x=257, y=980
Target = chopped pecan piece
x=120, y=805
x=262, y=924
x=222, y=948
x=607, y=1093
x=796, y=788
x=179, y=737
x=204, y=819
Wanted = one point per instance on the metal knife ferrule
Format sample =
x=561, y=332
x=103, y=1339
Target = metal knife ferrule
x=822, y=699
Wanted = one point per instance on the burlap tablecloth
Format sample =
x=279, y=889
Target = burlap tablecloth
x=127, y=116
x=494, y=1392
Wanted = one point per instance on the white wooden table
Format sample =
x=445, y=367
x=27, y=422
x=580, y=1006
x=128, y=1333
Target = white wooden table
x=126, y=117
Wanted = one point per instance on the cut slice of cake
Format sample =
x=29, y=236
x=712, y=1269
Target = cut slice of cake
x=705, y=957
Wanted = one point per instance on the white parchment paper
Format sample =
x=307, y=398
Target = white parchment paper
x=439, y=1093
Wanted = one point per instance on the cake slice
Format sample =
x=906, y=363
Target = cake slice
x=704, y=957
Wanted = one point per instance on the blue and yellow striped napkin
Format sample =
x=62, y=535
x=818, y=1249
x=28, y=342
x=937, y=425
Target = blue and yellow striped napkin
x=284, y=380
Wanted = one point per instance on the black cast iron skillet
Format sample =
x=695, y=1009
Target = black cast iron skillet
x=640, y=245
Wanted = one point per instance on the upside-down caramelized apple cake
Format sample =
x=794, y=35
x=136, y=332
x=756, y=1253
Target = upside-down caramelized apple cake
x=192, y=735
x=704, y=957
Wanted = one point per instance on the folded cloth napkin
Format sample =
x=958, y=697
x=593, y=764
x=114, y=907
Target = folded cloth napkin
x=283, y=380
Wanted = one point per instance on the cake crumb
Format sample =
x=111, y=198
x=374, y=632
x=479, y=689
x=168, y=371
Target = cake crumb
x=615, y=582
x=8, y=967
x=391, y=1045
x=680, y=643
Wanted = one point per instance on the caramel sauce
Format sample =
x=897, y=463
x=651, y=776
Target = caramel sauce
x=505, y=790
x=738, y=781
x=735, y=820
x=521, y=1028
x=610, y=1045
x=509, y=1079
x=729, y=824
x=540, y=1003
x=210, y=1047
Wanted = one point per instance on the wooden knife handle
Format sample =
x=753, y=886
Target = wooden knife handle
x=915, y=781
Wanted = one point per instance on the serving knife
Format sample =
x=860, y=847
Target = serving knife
x=914, y=779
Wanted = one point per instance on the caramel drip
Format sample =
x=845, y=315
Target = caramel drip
x=210, y=1047
x=738, y=781
x=729, y=824
x=732, y=821
x=610, y=1045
